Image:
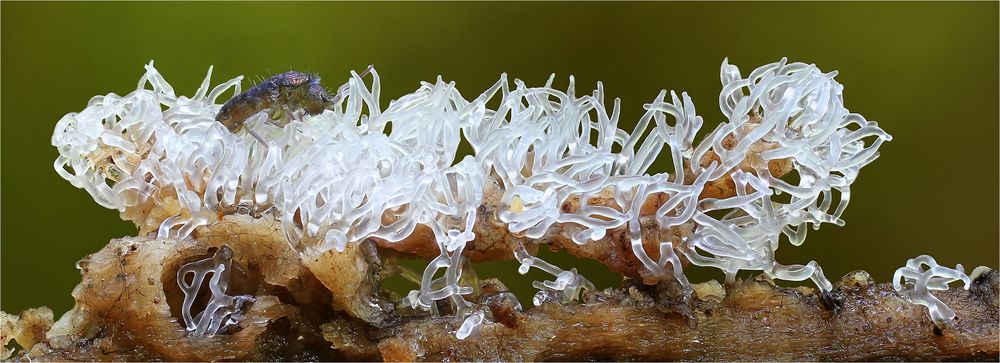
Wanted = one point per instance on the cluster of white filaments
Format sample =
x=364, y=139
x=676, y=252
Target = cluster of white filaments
x=339, y=177
x=222, y=310
x=932, y=278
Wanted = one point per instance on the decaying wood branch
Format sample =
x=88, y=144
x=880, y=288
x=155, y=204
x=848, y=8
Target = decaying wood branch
x=127, y=309
x=753, y=320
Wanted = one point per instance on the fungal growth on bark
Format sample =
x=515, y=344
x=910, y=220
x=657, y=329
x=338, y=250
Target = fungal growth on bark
x=221, y=311
x=332, y=194
x=922, y=281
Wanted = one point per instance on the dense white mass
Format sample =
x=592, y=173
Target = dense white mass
x=340, y=177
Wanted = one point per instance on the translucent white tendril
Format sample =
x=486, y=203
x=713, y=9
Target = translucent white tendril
x=222, y=310
x=921, y=281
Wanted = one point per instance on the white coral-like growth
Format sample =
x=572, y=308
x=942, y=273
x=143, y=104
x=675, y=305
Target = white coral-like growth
x=340, y=177
x=222, y=310
x=567, y=283
x=921, y=281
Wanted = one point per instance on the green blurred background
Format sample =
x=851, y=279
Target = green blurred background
x=927, y=72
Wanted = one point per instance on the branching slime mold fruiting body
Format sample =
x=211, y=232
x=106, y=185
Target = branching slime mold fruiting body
x=545, y=162
x=222, y=310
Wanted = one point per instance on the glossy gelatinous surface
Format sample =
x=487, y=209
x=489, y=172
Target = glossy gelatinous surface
x=339, y=177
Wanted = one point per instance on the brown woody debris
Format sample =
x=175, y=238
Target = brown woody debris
x=330, y=307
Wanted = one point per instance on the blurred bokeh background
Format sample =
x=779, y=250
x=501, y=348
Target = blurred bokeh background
x=927, y=72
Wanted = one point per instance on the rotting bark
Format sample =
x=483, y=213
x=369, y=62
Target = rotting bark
x=755, y=320
x=126, y=310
